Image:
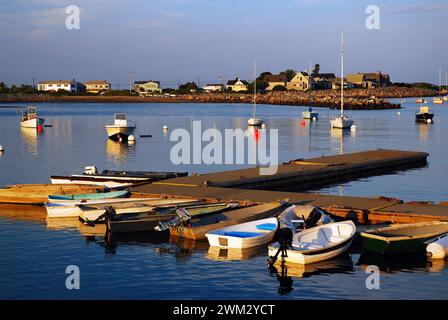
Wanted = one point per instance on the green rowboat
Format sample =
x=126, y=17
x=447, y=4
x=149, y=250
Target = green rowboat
x=90, y=196
x=402, y=238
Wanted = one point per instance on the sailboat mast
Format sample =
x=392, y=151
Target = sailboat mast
x=255, y=87
x=342, y=75
x=440, y=82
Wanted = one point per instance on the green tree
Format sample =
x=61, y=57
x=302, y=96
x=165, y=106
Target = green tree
x=279, y=87
x=188, y=87
x=289, y=74
x=266, y=73
x=3, y=88
x=316, y=69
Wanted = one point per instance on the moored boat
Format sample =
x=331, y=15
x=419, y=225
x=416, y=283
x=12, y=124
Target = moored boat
x=424, y=115
x=245, y=235
x=402, y=238
x=38, y=193
x=437, y=248
x=420, y=101
x=317, y=244
x=121, y=128
x=310, y=114
x=30, y=119
x=89, y=196
x=197, y=228
x=438, y=101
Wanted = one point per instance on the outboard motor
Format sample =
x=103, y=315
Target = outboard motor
x=284, y=236
x=312, y=219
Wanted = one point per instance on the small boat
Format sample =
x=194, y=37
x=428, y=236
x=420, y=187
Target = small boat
x=342, y=121
x=197, y=227
x=38, y=193
x=121, y=128
x=445, y=98
x=437, y=248
x=437, y=101
x=298, y=217
x=30, y=119
x=149, y=222
x=92, y=212
x=70, y=208
x=245, y=235
x=318, y=243
x=254, y=121
x=153, y=175
x=402, y=238
x=420, y=101
x=310, y=115
x=89, y=196
x=424, y=115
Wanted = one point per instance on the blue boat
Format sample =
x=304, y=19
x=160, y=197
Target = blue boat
x=90, y=196
x=310, y=115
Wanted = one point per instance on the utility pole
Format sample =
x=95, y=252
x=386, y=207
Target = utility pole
x=118, y=85
x=34, y=79
x=178, y=83
x=130, y=82
x=198, y=83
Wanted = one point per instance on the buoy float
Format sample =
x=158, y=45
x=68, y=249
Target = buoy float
x=438, y=249
x=1, y=148
x=263, y=125
x=353, y=128
x=398, y=113
x=165, y=128
x=131, y=137
x=314, y=119
x=428, y=121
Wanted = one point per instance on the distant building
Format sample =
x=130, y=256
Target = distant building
x=151, y=86
x=56, y=85
x=322, y=80
x=97, y=86
x=369, y=80
x=336, y=84
x=274, y=80
x=237, y=85
x=213, y=87
x=300, y=82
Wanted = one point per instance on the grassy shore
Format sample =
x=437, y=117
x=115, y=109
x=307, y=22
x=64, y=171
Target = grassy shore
x=356, y=99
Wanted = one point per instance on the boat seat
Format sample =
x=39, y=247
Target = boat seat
x=266, y=226
x=308, y=245
x=242, y=234
x=334, y=239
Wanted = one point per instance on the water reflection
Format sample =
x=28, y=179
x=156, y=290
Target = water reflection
x=118, y=152
x=229, y=254
x=30, y=137
x=21, y=212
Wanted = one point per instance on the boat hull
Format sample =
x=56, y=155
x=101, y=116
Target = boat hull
x=424, y=117
x=138, y=225
x=90, y=196
x=438, y=248
x=341, y=123
x=254, y=122
x=109, y=182
x=253, y=237
x=32, y=123
x=118, y=133
x=395, y=247
x=310, y=115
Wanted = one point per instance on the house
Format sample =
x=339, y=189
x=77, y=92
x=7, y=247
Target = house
x=56, y=85
x=301, y=82
x=237, y=85
x=369, y=80
x=274, y=80
x=97, y=86
x=336, y=84
x=150, y=86
x=214, y=87
x=322, y=80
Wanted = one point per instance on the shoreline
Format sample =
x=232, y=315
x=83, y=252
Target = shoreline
x=354, y=99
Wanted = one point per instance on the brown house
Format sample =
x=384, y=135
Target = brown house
x=274, y=80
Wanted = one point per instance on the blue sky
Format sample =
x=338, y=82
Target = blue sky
x=172, y=40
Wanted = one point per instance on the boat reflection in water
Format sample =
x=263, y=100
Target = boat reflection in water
x=30, y=137
x=229, y=254
x=286, y=271
x=391, y=264
x=118, y=152
x=21, y=212
x=74, y=224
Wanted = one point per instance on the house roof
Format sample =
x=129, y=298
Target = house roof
x=359, y=77
x=96, y=82
x=144, y=82
x=57, y=81
x=275, y=78
x=326, y=76
x=233, y=82
x=213, y=85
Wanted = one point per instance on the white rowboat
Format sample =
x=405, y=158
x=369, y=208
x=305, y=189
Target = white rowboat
x=438, y=247
x=318, y=243
x=245, y=235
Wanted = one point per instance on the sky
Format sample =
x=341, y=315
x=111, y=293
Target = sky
x=211, y=40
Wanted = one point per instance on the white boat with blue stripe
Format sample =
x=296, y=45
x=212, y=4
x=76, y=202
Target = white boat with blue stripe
x=245, y=235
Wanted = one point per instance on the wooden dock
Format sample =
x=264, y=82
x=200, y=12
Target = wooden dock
x=304, y=174
x=235, y=185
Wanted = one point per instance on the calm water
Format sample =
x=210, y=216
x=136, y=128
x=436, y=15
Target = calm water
x=34, y=252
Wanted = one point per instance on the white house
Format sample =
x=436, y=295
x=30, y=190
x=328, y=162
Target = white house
x=214, y=87
x=56, y=85
x=237, y=85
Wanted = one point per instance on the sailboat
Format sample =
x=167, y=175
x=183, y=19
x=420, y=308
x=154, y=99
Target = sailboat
x=342, y=121
x=439, y=100
x=254, y=121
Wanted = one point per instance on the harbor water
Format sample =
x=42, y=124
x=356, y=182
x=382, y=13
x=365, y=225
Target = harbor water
x=35, y=252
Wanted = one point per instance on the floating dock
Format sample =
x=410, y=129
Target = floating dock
x=239, y=185
x=304, y=174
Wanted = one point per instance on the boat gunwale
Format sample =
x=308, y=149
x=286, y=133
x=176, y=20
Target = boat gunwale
x=371, y=233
